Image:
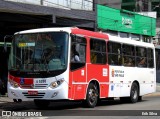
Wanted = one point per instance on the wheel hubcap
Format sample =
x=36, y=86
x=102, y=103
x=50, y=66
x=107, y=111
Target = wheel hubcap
x=134, y=93
x=92, y=95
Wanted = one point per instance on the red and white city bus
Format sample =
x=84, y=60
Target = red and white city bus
x=42, y=67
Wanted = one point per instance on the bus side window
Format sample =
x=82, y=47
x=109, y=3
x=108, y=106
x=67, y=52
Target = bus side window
x=128, y=55
x=150, y=58
x=141, y=58
x=142, y=62
x=78, y=52
x=98, y=51
x=157, y=59
x=114, y=53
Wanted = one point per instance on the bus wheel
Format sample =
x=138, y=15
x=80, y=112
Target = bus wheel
x=134, y=94
x=42, y=103
x=92, y=96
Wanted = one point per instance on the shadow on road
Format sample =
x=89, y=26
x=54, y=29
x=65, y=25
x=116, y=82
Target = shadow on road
x=65, y=105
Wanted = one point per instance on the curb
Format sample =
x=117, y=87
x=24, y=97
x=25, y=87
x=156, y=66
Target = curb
x=5, y=100
x=152, y=94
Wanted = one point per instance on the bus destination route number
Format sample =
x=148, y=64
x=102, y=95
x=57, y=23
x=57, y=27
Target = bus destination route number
x=40, y=81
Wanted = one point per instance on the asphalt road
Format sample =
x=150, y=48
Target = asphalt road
x=74, y=110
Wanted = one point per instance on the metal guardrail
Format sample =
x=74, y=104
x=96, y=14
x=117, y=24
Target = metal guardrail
x=64, y=4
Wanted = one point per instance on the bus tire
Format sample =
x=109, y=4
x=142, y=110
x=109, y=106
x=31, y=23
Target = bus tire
x=92, y=96
x=41, y=103
x=134, y=94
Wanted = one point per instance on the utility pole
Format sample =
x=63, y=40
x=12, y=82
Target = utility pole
x=82, y=7
x=95, y=9
x=41, y=2
x=149, y=5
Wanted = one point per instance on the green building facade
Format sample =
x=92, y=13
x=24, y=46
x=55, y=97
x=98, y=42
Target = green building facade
x=147, y=5
x=124, y=21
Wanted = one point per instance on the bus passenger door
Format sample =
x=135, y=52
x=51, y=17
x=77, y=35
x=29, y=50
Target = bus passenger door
x=78, y=67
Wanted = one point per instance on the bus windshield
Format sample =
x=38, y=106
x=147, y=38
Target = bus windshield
x=39, y=52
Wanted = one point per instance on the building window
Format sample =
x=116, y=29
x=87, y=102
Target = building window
x=146, y=39
x=156, y=7
x=124, y=35
x=135, y=37
x=81, y=4
x=111, y=32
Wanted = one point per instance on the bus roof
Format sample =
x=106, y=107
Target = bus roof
x=129, y=41
x=42, y=30
x=93, y=34
x=73, y=30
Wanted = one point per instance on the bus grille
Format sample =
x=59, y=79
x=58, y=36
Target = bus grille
x=40, y=86
x=39, y=95
x=36, y=86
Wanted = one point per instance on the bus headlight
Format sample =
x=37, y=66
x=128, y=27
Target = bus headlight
x=56, y=83
x=13, y=83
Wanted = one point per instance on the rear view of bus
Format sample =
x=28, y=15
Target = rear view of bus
x=38, y=66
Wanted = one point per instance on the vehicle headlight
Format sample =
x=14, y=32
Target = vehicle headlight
x=55, y=84
x=13, y=83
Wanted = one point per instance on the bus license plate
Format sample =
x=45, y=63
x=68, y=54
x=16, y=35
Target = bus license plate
x=32, y=92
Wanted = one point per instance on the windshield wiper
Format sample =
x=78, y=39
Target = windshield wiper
x=34, y=53
x=19, y=60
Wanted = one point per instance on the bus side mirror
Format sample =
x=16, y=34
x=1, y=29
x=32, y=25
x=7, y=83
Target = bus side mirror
x=5, y=44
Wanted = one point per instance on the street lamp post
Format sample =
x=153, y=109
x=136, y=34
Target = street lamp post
x=41, y=2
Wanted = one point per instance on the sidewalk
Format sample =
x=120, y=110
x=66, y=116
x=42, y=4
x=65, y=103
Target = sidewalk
x=5, y=99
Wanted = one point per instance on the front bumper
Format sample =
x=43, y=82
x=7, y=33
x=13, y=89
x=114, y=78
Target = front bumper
x=61, y=92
